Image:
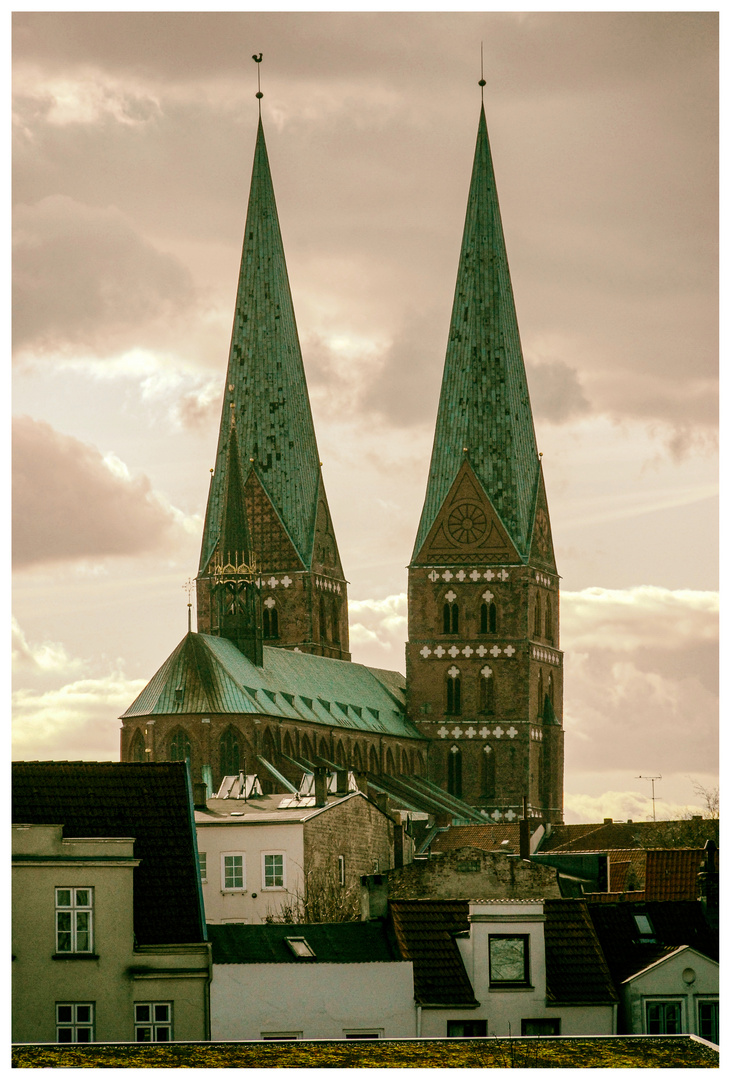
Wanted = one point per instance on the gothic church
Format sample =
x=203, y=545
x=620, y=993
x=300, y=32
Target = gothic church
x=266, y=684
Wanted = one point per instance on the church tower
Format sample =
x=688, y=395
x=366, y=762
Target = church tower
x=269, y=566
x=483, y=667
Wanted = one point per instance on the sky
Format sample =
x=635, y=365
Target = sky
x=133, y=139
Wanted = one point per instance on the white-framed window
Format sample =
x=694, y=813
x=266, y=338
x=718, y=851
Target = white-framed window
x=273, y=870
x=363, y=1033
x=203, y=865
x=268, y=1036
x=664, y=1017
x=74, y=920
x=708, y=1019
x=341, y=869
x=233, y=872
x=74, y=1021
x=153, y=1021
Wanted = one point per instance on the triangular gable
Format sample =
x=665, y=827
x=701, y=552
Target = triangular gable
x=468, y=527
x=541, y=548
x=270, y=541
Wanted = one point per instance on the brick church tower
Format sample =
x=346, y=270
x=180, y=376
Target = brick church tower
x=483, y=668
x=269, y=566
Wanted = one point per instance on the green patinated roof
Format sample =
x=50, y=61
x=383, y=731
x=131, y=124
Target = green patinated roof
x=272, y=409
x=484, y=404
x=206, y=674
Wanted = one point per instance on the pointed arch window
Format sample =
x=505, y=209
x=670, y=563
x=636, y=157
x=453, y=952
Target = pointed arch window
x=137, y=747
x=487, y=691
x=390, y=763
x=229, y=753
x=454, y=692
x=373, y=763
x=179, y=745
x=488, y=618
x=306, y=749
x=450, y=616
x=270, y=619
x=324, y=635
x=488, y=772
x=538, y=620
x=548, y=628
x=540, y=692
x=357, y=759
x=405, y=770
x=418, y=763
x=335, y=611
x=454, y=772
x=550, y=688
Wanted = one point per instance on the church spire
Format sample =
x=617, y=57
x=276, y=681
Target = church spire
x=268, y=499
x=484, y=411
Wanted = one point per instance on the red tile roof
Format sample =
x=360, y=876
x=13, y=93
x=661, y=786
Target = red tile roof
x=673, y=874
x=484, y=837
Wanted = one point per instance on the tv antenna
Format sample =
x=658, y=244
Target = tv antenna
x=652, y=780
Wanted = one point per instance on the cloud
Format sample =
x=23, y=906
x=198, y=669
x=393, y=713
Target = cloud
x=71, y=503
x=378, y=630
x=86, y=280
x=45, y=658
x=556, y=391
x=630, y=805
x=76, y=722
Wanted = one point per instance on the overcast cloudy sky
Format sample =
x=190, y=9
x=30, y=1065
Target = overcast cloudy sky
x=133, y=142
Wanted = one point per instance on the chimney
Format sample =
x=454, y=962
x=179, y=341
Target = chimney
x=342, y=781
x=320, y=785
x=524, y=832
x=381, y=801
x=373, y=897
x=361, y=779
x=398, y=846
x=608, y=821
x=200, y=792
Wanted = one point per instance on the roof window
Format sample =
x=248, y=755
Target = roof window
x=300, y=948
x=644, y=926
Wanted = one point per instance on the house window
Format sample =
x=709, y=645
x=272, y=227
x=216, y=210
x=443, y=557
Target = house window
x=74, y=920
x=233, y=873
x=543, y=1026
x=488, y=618
x=466, y=1029
x=153, y=1021
x=509, y=960
x=341, y=870
x=708, y=1020
x=663, y=1018
x=363, y=1033
x=75, y=1022
x=273, y=870
x=269, y=1036
x=203, y=865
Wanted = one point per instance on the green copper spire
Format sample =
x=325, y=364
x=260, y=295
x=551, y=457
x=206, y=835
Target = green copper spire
x=265, y=385
x=484, y=410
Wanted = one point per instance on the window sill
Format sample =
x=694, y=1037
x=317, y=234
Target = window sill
x=74, y=956
x=234, y=892
x=497, y=989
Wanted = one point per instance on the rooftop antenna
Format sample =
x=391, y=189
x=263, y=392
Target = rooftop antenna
x=652, y=780
x=482, y=76
x=257, y=60
x=189, y=589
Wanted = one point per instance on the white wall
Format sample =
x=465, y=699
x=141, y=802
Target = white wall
x=255, y=902
x=321, y=1001
x=664, y=981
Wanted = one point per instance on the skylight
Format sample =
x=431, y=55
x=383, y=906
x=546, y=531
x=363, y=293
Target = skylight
x=300, y=948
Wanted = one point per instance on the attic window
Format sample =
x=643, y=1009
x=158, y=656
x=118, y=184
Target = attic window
x=289, y=698
x=300, y=948
x=645, y=927
x=373, y=712
x=306, y=701
x=179, y=693
x=325, y=704
x=357, y=710
x=342, y=706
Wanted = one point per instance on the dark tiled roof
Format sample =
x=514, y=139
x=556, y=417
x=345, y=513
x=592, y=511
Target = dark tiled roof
x=576, y=970
x=332, y=943
x=673, y=874
x=150, y=802
x=632, y=834
x=485, y=837
x=425, y=931
x=674, y=923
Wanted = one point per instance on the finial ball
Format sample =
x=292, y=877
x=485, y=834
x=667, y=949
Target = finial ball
x=481, y=82
x=259, y=94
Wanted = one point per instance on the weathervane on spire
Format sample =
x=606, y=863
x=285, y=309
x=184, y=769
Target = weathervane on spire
x=481, y=83
x=189, y=589
x=257, y=60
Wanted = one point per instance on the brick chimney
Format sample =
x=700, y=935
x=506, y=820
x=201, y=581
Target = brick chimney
x=373, y=897
x=320, y=785
x=200, y=792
